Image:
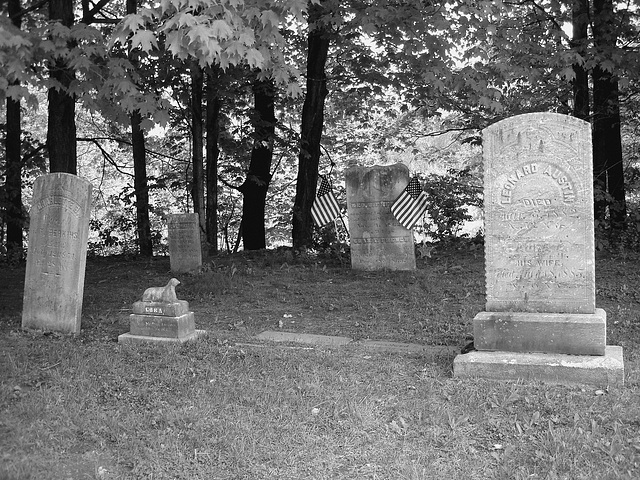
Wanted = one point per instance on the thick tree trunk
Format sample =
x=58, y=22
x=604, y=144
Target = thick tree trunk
x=311, y=130
x=13, y=145
x=141, y=186
x=580, y=22
x=212, y=125
x=607, y=149
x=607, y=142
x=255, y=186
x=61, y=133
x=197, y=132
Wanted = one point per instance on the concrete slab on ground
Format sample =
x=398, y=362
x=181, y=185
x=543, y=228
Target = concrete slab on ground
x=129, y=338
x=408, y=348
x=601, y=371
x=324, y=340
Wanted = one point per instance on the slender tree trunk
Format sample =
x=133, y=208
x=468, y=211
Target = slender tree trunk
x=255, y=186
x=580, y=22
x=13, y=183
x=145, y=244
x=311, y=130
x=607, y=139
x=141, y=185
x=197, y=132
x=61, y=132
x=213, y=152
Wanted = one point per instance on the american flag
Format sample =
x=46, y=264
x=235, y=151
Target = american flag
x=325, y=207
x=410, y=205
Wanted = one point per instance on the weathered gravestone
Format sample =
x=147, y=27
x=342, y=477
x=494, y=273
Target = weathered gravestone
x=160, y=317
x=185, y=248
x=541, y=321
x=57, y=254
x=378, y=241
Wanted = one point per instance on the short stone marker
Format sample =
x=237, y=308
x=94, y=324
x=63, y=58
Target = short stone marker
x=57, y=254
x=539, y=255
x=378, y=241
x=185, y=247
x=161, y=317
x=310, y=338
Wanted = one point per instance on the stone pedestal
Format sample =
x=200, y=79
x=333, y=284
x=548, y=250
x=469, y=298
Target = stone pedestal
x=557, y=368
x=161, y=322
x=570, y=333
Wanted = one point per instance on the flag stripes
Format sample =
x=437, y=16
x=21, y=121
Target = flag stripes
x=410, y=205
x=325, y=207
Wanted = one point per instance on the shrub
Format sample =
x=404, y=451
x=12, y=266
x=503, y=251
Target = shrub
x=449, y=198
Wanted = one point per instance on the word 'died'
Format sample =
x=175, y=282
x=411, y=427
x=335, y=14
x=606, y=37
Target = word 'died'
x=543, y=171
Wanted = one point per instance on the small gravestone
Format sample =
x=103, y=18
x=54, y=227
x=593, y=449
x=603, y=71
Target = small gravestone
x=539, y=256
x=378, y=241
x=57, y=254
x=160, y=317
x=185, y=247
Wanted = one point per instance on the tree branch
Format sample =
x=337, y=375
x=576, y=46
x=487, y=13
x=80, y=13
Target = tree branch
x=88, y=17
x=33, y=7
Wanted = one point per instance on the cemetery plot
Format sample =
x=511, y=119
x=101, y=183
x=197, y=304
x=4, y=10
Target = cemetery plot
x=58, y=232
x=541, y=321
x=539, y=215
x=378, y=241
x=185, y=248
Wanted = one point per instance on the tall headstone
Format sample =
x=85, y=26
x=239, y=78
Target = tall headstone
x=378, y=241
x=185, y=248
x=539, y=254
x=57, y=253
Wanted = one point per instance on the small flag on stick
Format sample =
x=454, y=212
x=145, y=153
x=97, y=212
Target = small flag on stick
x=410, y=205
x=325, y=207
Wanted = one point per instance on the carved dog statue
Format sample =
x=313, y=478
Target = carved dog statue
x=166, y=294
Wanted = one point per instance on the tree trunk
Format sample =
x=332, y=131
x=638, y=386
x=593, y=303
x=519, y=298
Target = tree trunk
x=254, y=189
x=141, y=186
x=197, y=132
x=580, y=22
x=608, y=168
x=213, y=152
x=13, y=145
x=143, y=225
x=311, y=129
x=61, y=132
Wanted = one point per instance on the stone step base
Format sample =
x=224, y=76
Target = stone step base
x=570, y=333
x=129, y=338
x=161, y=326
x=601, y=371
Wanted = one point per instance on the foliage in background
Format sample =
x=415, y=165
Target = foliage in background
x=451, y=201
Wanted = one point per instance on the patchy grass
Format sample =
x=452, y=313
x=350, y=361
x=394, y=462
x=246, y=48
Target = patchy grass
x=85, y=406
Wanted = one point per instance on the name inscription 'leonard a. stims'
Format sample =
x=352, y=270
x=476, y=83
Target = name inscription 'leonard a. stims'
x=539, y=215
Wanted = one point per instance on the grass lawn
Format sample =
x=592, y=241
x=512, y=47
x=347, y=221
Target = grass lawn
x=85, y=407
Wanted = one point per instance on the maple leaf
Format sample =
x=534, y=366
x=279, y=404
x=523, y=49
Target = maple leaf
x=568, y=74
x=144, y=39
x=293, y=90
x=221, y=29
x=269, y=17
x=254, y=58
x=247, y=37
x=133, y=22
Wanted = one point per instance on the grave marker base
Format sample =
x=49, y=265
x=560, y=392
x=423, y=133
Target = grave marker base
x=164, y=322
x=600, y=371
x=525, y=332
x=129, y=338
